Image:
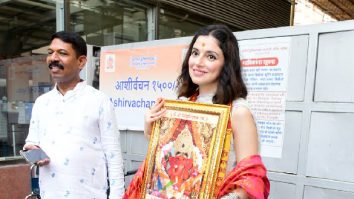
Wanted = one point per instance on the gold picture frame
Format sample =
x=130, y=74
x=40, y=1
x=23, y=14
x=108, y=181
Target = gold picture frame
x=185, y=151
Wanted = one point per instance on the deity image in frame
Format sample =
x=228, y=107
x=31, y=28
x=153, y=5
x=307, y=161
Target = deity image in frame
x=185, y=151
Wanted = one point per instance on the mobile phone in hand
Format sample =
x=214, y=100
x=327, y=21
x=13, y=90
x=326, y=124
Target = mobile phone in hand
x=34, y=155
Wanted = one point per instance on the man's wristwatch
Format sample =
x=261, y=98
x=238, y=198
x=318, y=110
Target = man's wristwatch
x=231, y=195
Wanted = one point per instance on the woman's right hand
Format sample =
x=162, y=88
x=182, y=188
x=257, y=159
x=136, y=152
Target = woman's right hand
x=153, y=114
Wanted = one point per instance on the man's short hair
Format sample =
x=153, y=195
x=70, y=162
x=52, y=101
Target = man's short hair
x=77, y=42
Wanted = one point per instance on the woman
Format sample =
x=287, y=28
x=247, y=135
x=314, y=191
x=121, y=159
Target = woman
x=211, y=73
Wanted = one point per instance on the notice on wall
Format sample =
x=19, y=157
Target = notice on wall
x=265, y=70
x=134, y=78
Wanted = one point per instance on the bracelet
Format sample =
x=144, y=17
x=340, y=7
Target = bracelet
x=231, y=195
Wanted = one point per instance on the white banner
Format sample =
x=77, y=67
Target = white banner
x=134, y=78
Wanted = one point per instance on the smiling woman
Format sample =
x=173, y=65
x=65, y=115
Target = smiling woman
x=210, y=74
x=205, y=63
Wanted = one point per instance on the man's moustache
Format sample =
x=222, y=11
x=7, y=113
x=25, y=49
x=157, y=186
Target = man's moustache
x=55, y=64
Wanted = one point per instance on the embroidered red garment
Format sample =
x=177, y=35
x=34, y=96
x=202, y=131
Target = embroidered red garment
x=134, y=190
x=250, y=175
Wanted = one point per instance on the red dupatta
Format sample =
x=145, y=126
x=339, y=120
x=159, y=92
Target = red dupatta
x=249, y=174
x=134, y=190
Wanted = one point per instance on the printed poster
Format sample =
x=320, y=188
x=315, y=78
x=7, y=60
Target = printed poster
x=265, y=71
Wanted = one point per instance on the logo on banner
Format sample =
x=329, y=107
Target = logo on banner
x=110, y=63
x=143, y=62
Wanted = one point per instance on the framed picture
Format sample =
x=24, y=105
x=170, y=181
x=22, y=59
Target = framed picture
x=185, y=151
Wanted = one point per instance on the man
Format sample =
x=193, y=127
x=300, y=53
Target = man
x=75, y=125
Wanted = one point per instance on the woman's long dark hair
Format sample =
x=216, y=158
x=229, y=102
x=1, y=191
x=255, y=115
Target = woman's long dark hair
x=230, y=85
